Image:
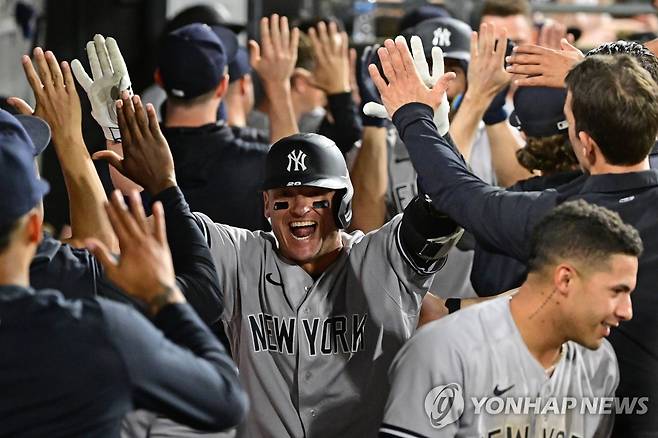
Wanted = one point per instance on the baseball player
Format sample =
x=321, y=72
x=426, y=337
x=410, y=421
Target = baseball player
x=542, y=350
x=314, y=315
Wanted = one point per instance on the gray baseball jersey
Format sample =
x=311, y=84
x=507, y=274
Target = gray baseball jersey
x=454, y=279
x=313, y=353
x=471, y=375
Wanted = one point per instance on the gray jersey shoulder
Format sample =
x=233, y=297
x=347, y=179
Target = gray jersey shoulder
x=478, y=358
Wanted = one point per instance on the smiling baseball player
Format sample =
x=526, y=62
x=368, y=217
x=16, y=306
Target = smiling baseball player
x=314, y=315
x=535, y=365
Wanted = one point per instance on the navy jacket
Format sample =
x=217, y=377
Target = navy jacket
x=75, y=368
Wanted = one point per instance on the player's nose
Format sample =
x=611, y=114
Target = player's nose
x=300, y=205
x=624, y=310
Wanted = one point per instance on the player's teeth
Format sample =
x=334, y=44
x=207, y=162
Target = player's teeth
x=302, y=224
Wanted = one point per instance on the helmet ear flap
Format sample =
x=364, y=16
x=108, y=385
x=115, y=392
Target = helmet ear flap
x=342, y=208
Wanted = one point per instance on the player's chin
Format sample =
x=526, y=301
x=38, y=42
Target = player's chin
x=302, y=250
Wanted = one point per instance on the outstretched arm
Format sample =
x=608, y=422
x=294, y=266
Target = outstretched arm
x=274, y=61
x=58, y=104
x=370, y=171
x=500, y=219
x=147, y=161
x=185, y=374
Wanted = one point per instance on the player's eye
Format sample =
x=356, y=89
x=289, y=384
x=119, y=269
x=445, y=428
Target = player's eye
x=281, y=205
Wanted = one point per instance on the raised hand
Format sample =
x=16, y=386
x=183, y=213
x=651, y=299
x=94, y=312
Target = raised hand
x=405, y=84
x=541, y=66
x=332, y=60
x=274, y=59
x=375, y=109
x=144, y=269
x=110, y=80
x=57, y=101
x=486, y=71
x=146, y=158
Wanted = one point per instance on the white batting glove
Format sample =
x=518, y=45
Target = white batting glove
x=441, y=114
x=441, y=120
x=110, y=79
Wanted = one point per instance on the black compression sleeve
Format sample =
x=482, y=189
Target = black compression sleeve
x=195, y=270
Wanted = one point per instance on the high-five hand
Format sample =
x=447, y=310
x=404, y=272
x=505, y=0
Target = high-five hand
x=405, y=84
x=110, y=80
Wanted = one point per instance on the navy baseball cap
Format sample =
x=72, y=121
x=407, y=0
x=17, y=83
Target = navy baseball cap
x=21, y=189
x=539, y=111
x=240, y=65
x=422, y=13
x=193, y=59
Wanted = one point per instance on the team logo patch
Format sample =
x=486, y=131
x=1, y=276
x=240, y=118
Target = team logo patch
x=441, y=37
x=298, y=159
x=444, y=405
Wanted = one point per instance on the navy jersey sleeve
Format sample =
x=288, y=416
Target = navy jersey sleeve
x=195, y=270
x=496, y=217
x=346, y=127
x=180, y=370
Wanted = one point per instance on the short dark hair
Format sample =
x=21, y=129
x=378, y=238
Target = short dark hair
x=614, y=100
x=6, y=232
x=582, y=231
x=644, y=56
x=506, y=8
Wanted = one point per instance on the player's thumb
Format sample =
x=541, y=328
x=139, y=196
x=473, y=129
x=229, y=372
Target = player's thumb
x=441, y=86
x=20, y=105
x=111, y=157
x=566, y=46
x=103, y=255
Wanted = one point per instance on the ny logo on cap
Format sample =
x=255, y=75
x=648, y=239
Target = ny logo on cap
x=441, y=37
x=298, y=159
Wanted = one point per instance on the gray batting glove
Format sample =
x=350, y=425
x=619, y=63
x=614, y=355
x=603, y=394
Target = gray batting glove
x=110, y=78
x=441, y=120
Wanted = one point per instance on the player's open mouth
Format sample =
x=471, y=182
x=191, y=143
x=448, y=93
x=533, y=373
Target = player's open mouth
x=606, y=328
x=302, y=230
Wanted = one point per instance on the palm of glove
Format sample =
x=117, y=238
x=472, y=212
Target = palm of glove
x=110, y=78
x=105, y=92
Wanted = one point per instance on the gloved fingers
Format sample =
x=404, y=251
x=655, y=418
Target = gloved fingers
x=438, y=69
x=117, y=61
x=420, y=62
x=103, y=56
x=94, y=63
x=81, y=75
x=373, y=109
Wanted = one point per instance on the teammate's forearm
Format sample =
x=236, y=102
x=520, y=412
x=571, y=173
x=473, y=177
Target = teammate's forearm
x=464, y=125
x=282, y=115
x=85, y=191
x=370, y=180
x=503, y=154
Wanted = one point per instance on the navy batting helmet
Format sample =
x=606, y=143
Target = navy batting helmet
x=311, y=160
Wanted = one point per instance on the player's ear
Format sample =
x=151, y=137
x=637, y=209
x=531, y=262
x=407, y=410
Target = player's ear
x=564, y=276
x=222, y=87
x=591, y=151
x=266, y=204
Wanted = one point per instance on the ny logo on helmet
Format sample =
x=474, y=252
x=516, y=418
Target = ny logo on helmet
x=297, y=158
x=441, y=37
